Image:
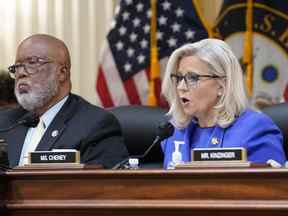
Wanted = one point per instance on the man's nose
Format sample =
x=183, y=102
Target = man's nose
x=20, y=72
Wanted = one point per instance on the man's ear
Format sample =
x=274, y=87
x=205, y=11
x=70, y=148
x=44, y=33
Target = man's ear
x=64, y=73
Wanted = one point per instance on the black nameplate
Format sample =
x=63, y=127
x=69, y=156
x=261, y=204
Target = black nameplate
x=219, y=154
x=52, y=157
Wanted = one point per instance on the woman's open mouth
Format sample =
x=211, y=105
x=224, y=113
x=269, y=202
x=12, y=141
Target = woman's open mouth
x=185, y=100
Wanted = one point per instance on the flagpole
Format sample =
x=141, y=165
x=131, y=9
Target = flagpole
x=248, y=47
x=154, y=61
x=204, y=21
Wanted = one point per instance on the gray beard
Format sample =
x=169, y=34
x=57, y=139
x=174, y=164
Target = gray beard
x=39, y=96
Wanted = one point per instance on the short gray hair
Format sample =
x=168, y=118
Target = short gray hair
x=222, y=62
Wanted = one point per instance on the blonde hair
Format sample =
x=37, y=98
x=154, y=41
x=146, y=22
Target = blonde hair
x=222, y=62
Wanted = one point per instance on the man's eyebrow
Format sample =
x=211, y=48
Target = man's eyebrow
x=29, y=58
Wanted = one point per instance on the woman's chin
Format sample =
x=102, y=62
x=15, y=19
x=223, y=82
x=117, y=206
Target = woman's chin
x=189, y=110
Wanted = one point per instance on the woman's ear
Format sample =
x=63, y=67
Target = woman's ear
x=220, y=91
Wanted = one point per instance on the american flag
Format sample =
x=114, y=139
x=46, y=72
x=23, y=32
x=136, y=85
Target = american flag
x=124, y=72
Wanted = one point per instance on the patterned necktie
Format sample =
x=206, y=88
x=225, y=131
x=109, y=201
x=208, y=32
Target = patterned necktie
x=36, y=137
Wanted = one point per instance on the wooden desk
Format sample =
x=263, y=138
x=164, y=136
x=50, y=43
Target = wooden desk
x=214, y=192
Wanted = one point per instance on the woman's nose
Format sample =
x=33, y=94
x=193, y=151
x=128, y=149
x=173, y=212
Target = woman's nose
x=182, y=85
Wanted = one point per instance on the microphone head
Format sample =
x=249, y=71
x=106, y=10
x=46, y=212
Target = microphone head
x=165, y=130
x=29, y=120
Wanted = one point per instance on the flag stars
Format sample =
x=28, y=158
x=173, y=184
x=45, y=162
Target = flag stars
x=119, y=45
x=130, y=52
x=129, y=2
x=144, y=44
x=113, y=24
x=117, y=10
x=130, y=38
x=159, y=35
x=179, y=12
x=139, y=7
x=141, y=59
x=136, y=22
x=162, y=20
x=189, y=34
x=166, y=5
x=149, y=13
x=122, y=30
x=127, y=67
x=146, y=28
x=125, y=15
x=176, y=27
x=172, y=42
x=133, y=37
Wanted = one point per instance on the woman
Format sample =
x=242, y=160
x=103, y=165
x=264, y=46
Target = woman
x=204, y=86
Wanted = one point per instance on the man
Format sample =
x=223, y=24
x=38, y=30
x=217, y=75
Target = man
x=67, y=121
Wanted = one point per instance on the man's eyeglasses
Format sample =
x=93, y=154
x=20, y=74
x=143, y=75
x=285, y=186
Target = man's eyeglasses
x=30, y=65
x=191, y=79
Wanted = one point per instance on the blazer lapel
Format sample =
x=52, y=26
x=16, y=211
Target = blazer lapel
x=58, y=125
x=51, y=135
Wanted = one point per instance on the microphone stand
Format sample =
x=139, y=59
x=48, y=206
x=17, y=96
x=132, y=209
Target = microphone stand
x=124, y=163
x=165, y=130
x=10, y=128
x=29, y=120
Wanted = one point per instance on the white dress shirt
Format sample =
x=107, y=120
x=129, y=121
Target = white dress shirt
x=46, y=119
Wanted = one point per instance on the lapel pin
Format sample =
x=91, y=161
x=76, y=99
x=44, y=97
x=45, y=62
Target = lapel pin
x=54, y=133
x=214, y=141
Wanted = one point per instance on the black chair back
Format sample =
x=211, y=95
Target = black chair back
x=139, y=126
x=279, y=114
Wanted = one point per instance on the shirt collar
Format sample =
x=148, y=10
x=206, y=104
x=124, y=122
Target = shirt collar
x=49, y=115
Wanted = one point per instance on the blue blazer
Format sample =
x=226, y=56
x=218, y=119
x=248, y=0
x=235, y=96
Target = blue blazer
x=254, y=131
x=95, y=132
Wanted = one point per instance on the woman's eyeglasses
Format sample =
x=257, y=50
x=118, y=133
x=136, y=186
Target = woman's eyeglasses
x=191, y=79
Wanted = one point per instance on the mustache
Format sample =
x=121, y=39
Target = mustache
x=26, y=82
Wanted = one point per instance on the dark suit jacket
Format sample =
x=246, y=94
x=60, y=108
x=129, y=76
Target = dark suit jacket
x=82, y=126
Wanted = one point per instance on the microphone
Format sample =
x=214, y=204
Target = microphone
x=165, y=130
x=29, y=120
